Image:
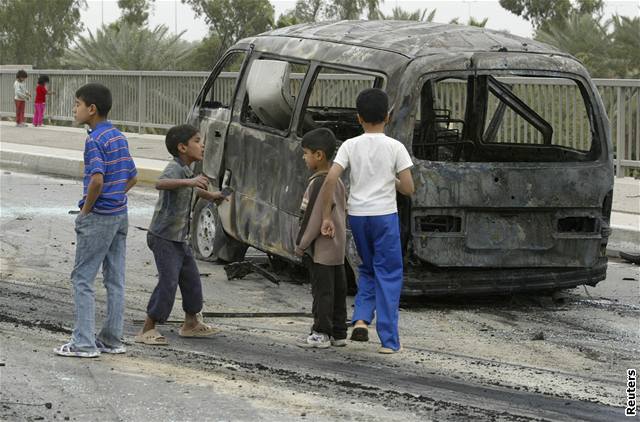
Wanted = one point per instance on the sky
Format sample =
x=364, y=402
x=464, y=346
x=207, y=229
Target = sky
x=180, y=17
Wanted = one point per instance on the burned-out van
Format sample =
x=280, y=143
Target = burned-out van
x=509, y=137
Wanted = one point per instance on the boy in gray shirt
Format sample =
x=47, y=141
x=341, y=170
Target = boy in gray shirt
x=167, y=238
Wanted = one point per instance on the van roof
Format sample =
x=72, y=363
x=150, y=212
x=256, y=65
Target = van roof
x=414, y=39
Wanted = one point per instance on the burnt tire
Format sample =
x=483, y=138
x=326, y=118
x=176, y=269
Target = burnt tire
x=205, y=226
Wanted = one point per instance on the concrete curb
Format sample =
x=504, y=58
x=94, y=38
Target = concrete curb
x=66, y=163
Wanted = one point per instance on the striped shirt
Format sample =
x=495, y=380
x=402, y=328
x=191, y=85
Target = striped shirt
x=106, y=151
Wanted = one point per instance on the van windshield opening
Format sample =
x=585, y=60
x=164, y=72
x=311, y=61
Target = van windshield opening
x=491, y=118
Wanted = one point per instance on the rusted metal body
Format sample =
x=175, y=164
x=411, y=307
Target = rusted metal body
x=486, y=217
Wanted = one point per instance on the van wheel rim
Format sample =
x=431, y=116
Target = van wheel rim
x=206, y=232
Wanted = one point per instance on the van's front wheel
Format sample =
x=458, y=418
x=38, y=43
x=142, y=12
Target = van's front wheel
x=204, y=227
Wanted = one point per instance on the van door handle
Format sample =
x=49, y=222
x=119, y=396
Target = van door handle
x=217, y=134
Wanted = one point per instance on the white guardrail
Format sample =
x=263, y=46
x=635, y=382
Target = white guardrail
x=161, y=99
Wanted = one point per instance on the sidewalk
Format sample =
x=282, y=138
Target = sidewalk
x=58, y=150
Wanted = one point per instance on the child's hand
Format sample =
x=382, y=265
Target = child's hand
x=299, y=252
x=328, y=228
x=217, y=197
x=200, y=181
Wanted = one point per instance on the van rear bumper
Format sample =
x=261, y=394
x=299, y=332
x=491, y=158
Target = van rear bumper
x=483, y=281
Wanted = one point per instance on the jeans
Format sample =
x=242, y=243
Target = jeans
x=100, y=240
x=38, y=113
x=176, y=267
x=380, y=276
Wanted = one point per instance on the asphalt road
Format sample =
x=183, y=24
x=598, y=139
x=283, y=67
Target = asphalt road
x=506, y=358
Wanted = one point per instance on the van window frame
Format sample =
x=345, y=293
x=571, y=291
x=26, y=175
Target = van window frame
x=596, y=129
x=214, y=76
x=315, y=72
x=258, y=55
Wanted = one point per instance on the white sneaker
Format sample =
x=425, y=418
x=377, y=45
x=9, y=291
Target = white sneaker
x=315, y=340
x=339, y=342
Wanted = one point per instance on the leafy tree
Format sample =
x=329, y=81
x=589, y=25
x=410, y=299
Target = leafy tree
x=352, y=9
x=201, y=57
x=584, y=37
x=129, y=47
x=626, y=45
x=541, y=12
x=232, y=20
x=135, y=12
x=471, y=22
x=38, y=32
x=304, y=12
x=399, y=14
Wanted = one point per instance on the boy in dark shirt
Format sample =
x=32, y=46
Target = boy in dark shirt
x=167, y=238
x=328, y=278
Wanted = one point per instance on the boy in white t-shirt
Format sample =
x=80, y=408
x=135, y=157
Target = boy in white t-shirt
x=379, y=165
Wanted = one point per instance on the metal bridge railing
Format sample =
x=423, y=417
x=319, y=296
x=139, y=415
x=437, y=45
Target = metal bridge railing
x=161, y=99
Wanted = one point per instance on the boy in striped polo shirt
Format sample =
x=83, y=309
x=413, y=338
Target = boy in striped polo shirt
x=101, y=226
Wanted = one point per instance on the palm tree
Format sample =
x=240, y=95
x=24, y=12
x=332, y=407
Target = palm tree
x=128, y=47
x=626, y=45
x=586, y=38
x=471, y=22
x=399, y=14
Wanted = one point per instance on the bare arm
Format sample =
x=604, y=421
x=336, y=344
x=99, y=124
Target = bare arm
x=404, y=183
x=131, y=183
x=93, y=192
x=329, y=188
x=171, y=184
x=210, y=196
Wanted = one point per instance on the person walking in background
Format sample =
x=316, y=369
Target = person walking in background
x=40, y=100
x=21, y=95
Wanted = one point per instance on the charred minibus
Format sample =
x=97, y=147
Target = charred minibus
x=509, y=138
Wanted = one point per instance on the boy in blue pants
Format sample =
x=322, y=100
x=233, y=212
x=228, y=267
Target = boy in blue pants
x=379, y=166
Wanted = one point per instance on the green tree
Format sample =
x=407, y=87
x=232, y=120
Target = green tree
x=129, y=47
x=399, y=14
x=584, y=37
x=304, y=12
x=135, y=12
x=541, y=12
x=37, y=32
x=471, y=22
x=202, y=54
x=352, y=9
x=232, y=20
x=626, y=45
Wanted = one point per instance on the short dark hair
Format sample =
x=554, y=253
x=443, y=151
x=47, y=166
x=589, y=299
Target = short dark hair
x=96, y=94
x=179, y=135
x=43, y=79
x=321, y=139
x=372, y=105
x=21, y=74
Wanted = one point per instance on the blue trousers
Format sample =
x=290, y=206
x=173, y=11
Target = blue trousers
x=176, y=268
x=377, y=239
x=101, y=240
